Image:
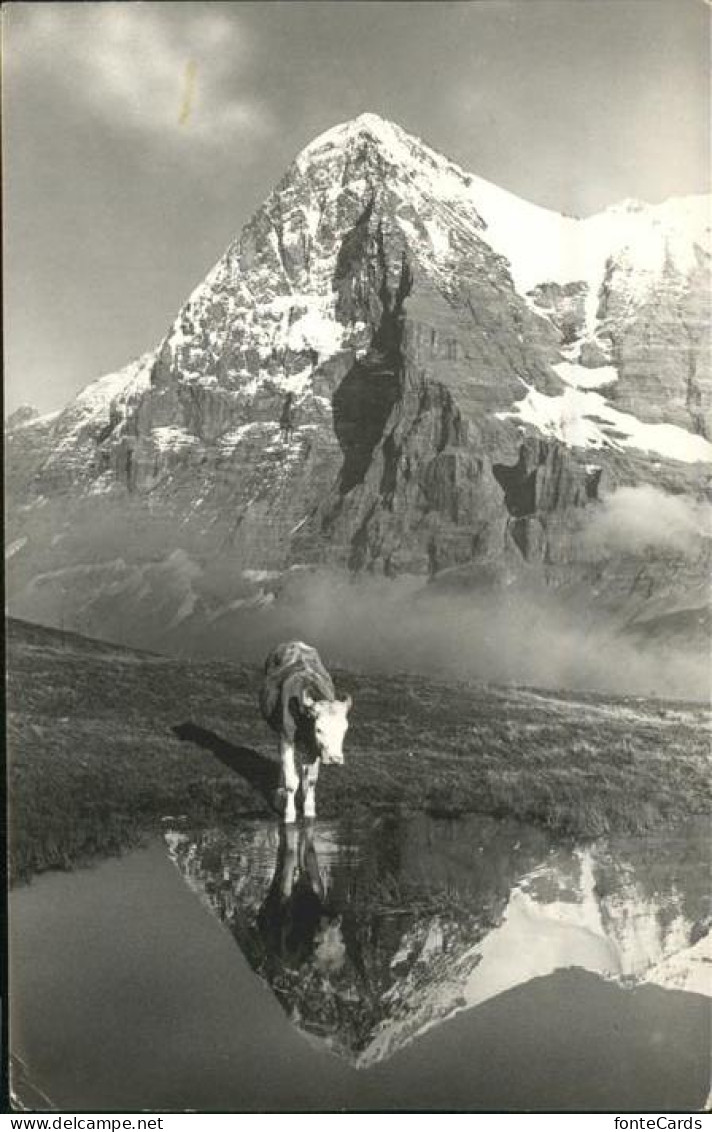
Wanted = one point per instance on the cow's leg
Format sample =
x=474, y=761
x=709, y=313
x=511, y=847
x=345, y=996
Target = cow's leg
x=311, y=862
x=290, y=778
x=310, y=774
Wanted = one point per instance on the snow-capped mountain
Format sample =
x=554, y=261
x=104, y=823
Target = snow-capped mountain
x=464, y=378
x=370, y=941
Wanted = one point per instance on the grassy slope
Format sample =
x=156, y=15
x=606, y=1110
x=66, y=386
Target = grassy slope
x=94, y=760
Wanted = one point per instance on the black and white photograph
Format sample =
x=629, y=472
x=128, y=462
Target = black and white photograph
x=358, y=533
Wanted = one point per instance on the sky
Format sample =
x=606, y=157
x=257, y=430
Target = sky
x=140, y=137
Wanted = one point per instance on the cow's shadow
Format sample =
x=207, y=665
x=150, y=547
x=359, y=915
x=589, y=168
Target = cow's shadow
x=263, y=774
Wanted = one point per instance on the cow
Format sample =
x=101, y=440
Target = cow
x=299, y=702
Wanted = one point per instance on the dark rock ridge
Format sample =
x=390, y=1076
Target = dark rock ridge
x=456, y=401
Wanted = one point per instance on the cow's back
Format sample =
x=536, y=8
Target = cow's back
x=290, y=668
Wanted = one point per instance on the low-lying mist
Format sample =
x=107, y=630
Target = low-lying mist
x=505, y=636
x=644, y=517
x=644, y=554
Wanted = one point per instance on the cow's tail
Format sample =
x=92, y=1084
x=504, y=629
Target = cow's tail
x=269, y=699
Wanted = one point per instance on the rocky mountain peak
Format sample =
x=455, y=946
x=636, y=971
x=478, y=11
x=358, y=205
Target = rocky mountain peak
x=399, y=367
x=368, y=126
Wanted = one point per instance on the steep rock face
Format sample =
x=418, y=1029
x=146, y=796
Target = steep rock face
x=396, y=367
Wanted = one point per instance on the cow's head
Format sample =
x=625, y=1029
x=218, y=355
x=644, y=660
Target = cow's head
x=330, y=724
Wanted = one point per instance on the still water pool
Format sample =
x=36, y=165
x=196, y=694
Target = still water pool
x=399, y=962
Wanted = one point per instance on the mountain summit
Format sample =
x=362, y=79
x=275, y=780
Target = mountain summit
x=396, y=367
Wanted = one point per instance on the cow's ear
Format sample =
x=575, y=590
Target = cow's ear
x=349, y=703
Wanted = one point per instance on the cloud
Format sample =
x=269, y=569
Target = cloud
x=359, y=623
x=376, y=624
x=636, y=518
x=174, y=73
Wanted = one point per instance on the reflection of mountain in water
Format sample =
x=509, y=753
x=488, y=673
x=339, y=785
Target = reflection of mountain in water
x=370, y=936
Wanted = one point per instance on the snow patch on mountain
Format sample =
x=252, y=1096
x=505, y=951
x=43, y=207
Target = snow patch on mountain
x=582, y=377
x=581, y=418
x=229, y=441
x=169, y=438
x=315, y=330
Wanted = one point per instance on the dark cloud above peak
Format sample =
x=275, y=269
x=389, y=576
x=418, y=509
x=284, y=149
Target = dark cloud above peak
x=145, y=69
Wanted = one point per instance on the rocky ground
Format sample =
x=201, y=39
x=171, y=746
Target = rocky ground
x=105, y=741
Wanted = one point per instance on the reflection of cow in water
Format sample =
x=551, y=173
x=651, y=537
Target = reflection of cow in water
x=286, y=420
x=305, y=941
x=299, y=702
x=294, y=922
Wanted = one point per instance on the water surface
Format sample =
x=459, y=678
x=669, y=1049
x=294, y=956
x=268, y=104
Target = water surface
x=392, y=963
